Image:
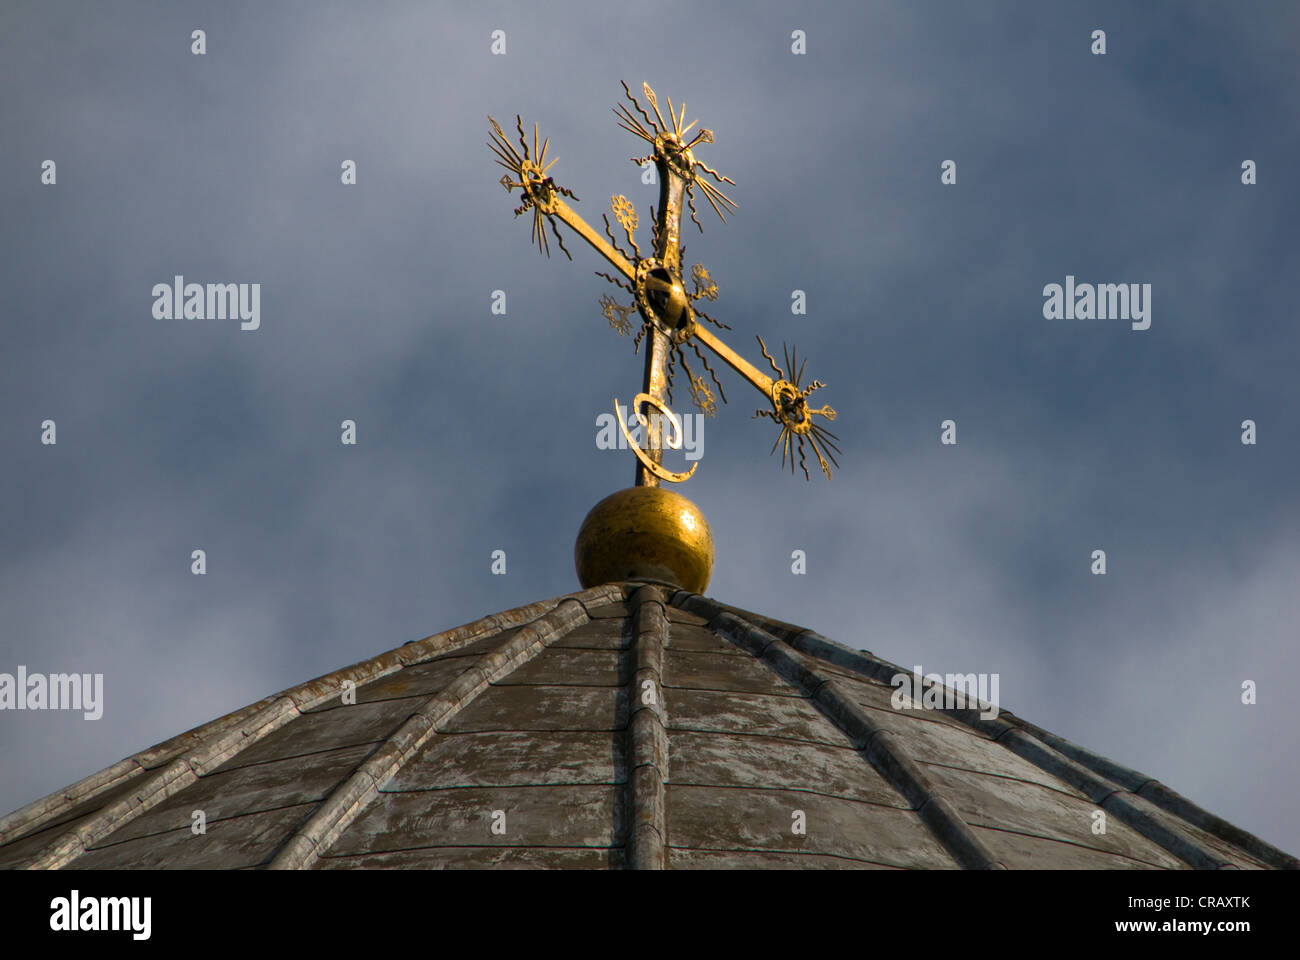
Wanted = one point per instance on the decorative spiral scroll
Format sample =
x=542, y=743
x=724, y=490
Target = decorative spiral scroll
x=674, y=441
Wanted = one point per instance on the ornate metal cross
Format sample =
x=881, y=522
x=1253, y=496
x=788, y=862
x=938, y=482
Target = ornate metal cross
x=668, y=312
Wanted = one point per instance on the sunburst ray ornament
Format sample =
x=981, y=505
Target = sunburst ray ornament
x=531, y=169
x=670, y=313
x=791, y=411
x=676, y=150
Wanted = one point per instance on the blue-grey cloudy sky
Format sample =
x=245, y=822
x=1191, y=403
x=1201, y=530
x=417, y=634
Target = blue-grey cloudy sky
x=477, y=431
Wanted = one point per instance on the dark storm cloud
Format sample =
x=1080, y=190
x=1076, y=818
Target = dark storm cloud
x=477, y=431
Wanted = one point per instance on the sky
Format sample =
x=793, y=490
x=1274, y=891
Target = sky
x=476, y=431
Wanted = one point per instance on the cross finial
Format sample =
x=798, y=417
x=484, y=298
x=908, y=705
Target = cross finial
x=670, y=314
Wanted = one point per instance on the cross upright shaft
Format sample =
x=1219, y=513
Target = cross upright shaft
x=655, y=381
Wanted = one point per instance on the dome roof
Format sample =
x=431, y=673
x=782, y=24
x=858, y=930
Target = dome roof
x=630, y=725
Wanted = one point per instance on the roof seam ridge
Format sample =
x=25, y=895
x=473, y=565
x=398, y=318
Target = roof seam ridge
x=877, y=745
x=160, y=785
x=27, y=819
x=1149, y=788
x=344, y=804
x=647, y=733
x=1108, y=796
x=1162, y=797
x=1092, y=784
x=861, y=662
x=813, y=644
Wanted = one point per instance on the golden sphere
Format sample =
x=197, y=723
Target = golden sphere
x=645, y=532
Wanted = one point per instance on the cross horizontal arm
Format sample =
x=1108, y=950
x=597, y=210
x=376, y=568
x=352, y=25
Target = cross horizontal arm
x=761, y=381
x=559, y=208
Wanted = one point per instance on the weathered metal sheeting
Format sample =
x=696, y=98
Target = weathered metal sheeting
x=725, y=820
x=515, y=758
x=598, y=634
x=1000, y=803
x=245, y=841
x=887, y=754
x=786, y=717
x=478, y=857
x=548, y=815
x=768, y=860
x=757, y=762
x=545, y=707
x=626, y=727
x=1027, y=851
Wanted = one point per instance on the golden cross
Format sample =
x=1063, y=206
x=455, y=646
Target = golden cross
x=667, y=310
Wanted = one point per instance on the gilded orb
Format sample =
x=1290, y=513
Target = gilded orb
x=646, y=532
